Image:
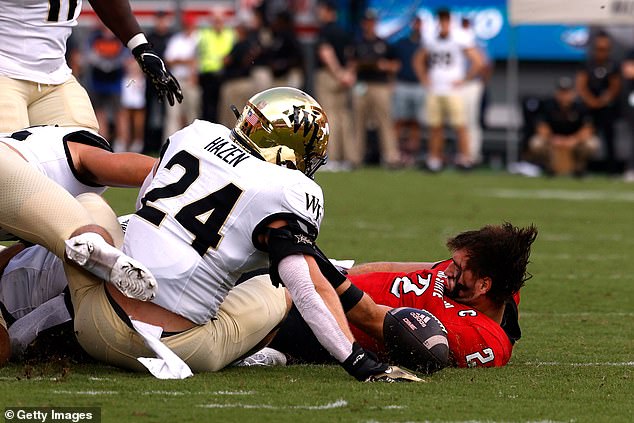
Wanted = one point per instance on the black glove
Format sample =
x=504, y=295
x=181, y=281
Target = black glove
x=364, y=366
x=153, y=66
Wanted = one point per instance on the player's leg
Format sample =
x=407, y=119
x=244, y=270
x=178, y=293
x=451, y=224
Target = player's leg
x=66, y=104
x=103, y=329
x=14, y=100
x=251, y=311
x=434, y=120
x=35, y=208
x=38, y=210
x=102, y=259
x=458, y=120
x=382, y=94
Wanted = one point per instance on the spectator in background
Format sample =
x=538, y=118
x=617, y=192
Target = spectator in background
x=106, y=57
x=441, y=67
x=599, y=86
x=409, y=95
x=36, y=84
x=215, y=43
x=130, y=125
x=473, y=93
x=564, y=139
x=237, y=86
x=285, y=55
x=376, y=63
x=334, y=79
x=155, y=110
x=263, y=37
x=627, y=70
x=181, y=56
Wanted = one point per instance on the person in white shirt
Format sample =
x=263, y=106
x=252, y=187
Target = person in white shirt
x=36, y=84
x=441, y=67
x=181, y=55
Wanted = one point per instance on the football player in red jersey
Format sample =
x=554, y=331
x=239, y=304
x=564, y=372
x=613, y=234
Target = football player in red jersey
x=474, y=294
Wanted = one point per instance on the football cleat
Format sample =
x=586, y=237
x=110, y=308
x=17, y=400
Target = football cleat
x=265, y=357
x=91, y=252
x=394, y=374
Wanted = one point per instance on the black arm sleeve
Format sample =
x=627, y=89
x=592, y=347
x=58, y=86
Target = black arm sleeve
x=296, y=237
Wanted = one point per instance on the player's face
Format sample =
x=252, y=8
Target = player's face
x=464, y=286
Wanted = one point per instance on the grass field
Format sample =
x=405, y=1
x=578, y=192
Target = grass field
x=574, y=363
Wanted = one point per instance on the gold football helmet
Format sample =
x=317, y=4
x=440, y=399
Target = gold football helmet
x=278, y=119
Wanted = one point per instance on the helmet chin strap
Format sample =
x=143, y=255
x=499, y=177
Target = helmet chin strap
x=245, y=145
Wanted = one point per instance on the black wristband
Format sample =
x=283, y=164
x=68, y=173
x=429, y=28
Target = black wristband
x=350, y=298
x=362, y=364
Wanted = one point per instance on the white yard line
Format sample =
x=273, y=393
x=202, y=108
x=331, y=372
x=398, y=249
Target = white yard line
x=328, y=406
x=475, y=421
x=182, y=393
x=579, y=314
x=594, y=364
x=86, y=392
x=560, y=194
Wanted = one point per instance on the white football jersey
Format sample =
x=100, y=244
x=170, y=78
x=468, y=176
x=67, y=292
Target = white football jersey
x=447, y=60
x=45, y=147
x=31, y=278
x=33, y=38
x=195, y=229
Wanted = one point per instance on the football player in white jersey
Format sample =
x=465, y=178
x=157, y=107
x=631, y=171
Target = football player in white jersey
x=35, y=208
x=77, y=159
x=441, y=67
x=221, y=203
x=36, y=85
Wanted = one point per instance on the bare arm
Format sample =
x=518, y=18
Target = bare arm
x=117, y=15
x=477, y=63
x=366, y=314
x=614, y=88
x=588, y=98
x=543, y=130
x=329, y=58
x=627, y=68
x=583, y=133
x=419, y=63
x=386, y=266
x=111, y=169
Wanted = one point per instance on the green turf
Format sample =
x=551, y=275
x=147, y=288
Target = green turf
x=574, y=362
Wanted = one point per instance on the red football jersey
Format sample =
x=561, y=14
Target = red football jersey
x=474, y=339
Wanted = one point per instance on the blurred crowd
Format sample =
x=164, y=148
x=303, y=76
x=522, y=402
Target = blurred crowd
x=391, y=103
x=577, y=123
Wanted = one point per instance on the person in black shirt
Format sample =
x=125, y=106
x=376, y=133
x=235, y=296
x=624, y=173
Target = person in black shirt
x=565, y=137
x=238, y=86
x=285, y=54
x=599, y=86
x=376, y=63
x=154, y=109
x=627, y=69
x=334, y=80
